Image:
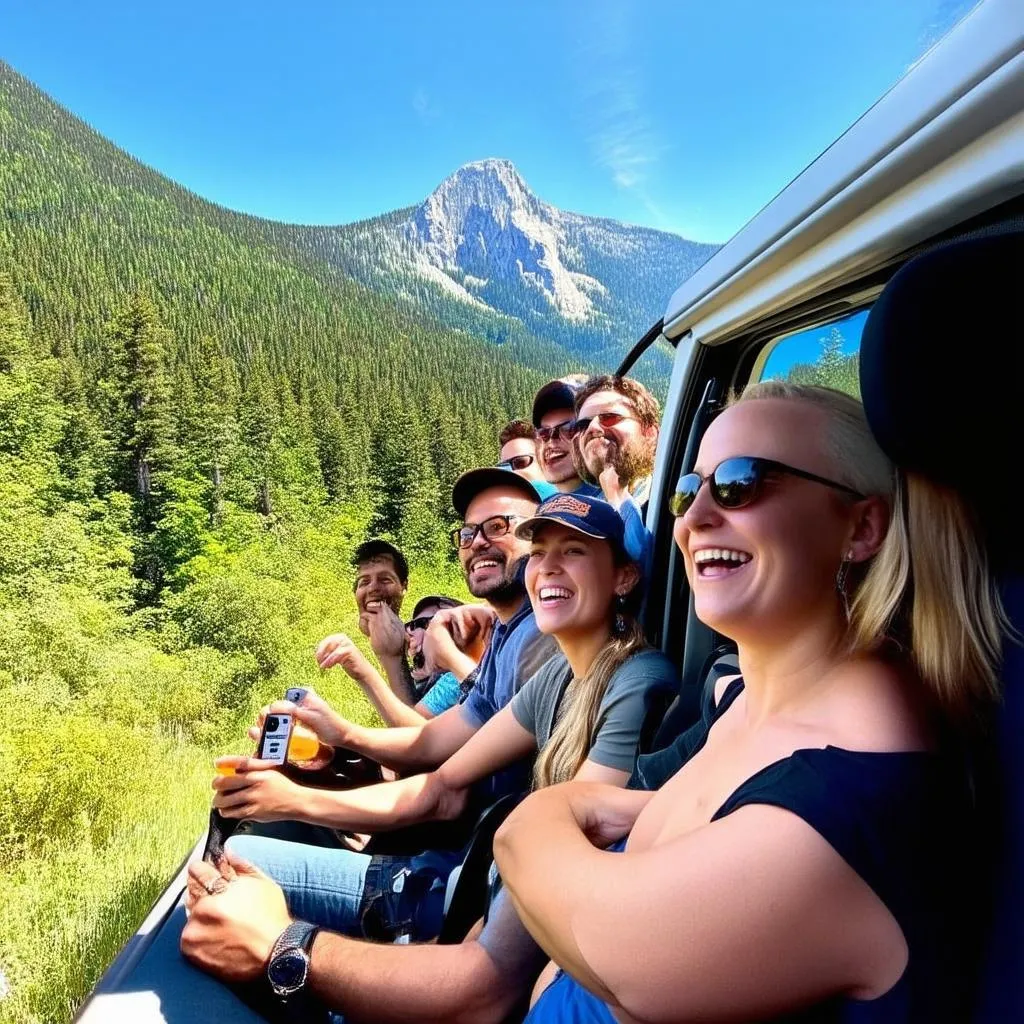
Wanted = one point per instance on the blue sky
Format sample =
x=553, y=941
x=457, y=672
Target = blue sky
x=688, y=116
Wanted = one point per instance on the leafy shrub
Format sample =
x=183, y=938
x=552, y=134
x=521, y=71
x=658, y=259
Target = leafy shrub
x=68, y=779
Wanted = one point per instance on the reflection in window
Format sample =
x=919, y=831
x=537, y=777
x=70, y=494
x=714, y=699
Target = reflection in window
x=826, y=355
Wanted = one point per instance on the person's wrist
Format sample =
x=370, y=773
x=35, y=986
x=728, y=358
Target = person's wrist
x=337, y=731
x=289, y=961
x=461, y=666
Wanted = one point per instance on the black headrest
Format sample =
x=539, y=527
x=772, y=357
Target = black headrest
x=942, y=369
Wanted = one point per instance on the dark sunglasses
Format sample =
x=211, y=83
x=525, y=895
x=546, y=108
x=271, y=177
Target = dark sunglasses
x=517, y=463
x=604, y=420
x=420, y=622
x=565, y=429
x=492, y=528
x=736, y=483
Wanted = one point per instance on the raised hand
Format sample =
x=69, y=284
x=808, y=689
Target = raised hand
x=470, y=626
x=339, y=649
x=314, y=712
x=386, y=632
x=615, y=492
x=439, y=647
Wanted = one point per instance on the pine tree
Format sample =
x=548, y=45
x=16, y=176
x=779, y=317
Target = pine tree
x=141, y=344
x=145, y=426
x=260, y=420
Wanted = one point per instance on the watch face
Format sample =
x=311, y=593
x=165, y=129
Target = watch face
x=288, y=971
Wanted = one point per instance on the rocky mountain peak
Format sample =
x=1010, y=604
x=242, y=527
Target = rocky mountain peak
x=482, y=225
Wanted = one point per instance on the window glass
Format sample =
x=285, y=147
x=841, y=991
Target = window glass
x=827, y=354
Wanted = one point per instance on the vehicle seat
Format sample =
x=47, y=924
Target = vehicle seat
x=681, y=714
x=942, y=380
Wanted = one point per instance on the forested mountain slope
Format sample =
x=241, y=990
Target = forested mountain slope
x=198, y=422
x=484, y=251
x=84, y=227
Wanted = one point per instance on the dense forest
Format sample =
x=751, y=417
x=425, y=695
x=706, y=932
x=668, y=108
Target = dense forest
x=199, y=419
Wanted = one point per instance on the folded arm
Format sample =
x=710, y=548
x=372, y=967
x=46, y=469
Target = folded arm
x=750, y=916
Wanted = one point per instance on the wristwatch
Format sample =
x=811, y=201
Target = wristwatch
x=288, y=967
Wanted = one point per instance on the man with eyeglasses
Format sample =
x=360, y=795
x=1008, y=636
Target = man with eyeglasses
x=554, y=428
x=518, y=452
x=616, y=436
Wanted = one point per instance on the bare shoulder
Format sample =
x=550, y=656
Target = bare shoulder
x=877, y=706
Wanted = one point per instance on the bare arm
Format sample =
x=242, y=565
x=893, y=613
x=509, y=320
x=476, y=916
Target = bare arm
x=380, y=984
x=751, y=902
x=231, y=934
x=438, y=796
x=390, y=700
x=400, y=678
x=339, y=649
x=387, y=637
x=421, y=747
x=440, y=648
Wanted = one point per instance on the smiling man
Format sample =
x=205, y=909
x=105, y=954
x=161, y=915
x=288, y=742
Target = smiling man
x=382, y=577
x=554, y=424
x=616, y=436
x=517, y=444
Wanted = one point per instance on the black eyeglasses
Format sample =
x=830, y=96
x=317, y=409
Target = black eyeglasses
x=566, y=429
x=517, y=463
x=736, y=483
x=604, y=419
x=420, y=622
x=492, y=528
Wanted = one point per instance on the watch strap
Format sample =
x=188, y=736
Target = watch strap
x=298, y=935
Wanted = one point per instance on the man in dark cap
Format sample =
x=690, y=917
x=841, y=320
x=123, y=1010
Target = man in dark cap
x=554, y=422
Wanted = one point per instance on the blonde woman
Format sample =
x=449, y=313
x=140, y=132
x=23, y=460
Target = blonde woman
x=809, y=855
x=583, y=711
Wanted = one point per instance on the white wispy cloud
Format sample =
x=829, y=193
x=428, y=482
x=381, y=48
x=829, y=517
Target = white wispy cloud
x=426, y=109
x=620, y=132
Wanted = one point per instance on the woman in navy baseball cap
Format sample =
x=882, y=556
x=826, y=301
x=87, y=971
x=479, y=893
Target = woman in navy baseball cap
x=585, y=590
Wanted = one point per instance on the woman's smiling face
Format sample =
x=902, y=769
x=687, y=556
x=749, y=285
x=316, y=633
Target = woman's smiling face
x=767, y=566
x=572, y=580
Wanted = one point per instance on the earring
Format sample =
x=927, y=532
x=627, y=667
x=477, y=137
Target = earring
x=619, y=626
x=841, y=577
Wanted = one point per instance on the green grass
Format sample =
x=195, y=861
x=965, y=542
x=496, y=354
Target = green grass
x=69, y=906
x=67, y=910
x=106, y=767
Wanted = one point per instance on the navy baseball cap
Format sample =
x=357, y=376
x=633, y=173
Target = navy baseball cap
x=556, y=394
x=434, y=599
x=474, y=481
x=593, y=517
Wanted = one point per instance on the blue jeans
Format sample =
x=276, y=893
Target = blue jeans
x=376, y=897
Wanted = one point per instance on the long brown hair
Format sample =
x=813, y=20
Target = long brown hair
x=571, y=739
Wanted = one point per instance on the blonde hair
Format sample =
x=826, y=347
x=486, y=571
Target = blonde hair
x=570, y=742
x=928, y=588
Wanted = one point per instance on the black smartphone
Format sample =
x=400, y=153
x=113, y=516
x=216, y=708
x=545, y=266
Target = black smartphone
x=274, y=737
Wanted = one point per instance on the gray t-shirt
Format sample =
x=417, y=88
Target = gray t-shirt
x=647, y=679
